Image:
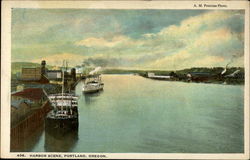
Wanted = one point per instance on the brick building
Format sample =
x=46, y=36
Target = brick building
x=37, y=74
x=31, y=73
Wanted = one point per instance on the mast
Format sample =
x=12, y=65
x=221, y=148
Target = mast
x=66, y=62
x=62, y=85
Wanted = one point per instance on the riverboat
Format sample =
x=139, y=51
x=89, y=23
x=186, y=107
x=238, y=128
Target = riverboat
x=93, y=84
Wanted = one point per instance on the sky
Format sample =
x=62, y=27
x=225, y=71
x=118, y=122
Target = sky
x=135, y=39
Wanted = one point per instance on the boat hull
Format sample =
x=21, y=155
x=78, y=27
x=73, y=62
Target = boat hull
x=93, y=90
x=61, y=125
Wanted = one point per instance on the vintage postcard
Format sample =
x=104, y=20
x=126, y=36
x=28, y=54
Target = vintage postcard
x=125, y=80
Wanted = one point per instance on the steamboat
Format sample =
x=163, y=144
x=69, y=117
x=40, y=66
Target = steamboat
x=93, y=84
x=64, y=115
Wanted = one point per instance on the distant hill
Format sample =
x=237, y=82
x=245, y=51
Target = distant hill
x=214, y=70
x=17, y=66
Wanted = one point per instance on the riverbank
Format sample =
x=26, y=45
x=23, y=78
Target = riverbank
x=216, y=75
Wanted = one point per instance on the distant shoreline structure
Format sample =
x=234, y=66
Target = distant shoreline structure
x=217, y=75
x=221, y=75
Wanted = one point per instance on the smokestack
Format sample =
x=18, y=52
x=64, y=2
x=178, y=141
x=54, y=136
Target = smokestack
x=73, y=74
x=43, y=68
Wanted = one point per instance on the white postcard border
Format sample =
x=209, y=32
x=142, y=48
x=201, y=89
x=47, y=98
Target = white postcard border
x=6, y=65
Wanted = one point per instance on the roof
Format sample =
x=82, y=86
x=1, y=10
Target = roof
x=54, y=71
x=31, y=79
x=17, y=103
x=30, y=93
x=31, y=68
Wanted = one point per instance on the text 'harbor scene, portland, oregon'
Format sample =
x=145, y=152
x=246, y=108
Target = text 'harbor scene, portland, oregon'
x=127, y=80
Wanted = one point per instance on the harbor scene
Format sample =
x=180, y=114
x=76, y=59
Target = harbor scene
x=154, y=81
x=121, y=119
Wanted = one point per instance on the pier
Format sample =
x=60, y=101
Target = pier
x=28, y=128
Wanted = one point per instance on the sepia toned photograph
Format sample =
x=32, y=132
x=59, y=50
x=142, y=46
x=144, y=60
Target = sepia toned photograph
x=100, y=81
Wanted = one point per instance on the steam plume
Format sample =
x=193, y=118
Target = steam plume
x=97, y=69
x=230, y=62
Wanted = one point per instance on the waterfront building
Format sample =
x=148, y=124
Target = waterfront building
x=29, y=74
x=19, y=108
x=153, y=76
x=49, y=88
x=54, y=74
x=31, y=119
x=26, y=102
x=199, y=76
x=37, y=74
x=150, y=74
x=35, y=96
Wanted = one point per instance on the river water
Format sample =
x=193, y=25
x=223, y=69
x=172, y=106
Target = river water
x=138, y=115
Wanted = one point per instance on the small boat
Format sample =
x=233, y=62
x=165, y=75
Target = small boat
x=93, y=84
x=64, y=115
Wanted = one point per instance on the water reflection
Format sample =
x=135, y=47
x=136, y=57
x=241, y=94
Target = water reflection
x=91, y=97
x=59, y=141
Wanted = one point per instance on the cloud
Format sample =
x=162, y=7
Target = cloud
x=210, y=49
x=101, y=42
x=206, y=40
x=57, y=59
x=219, y=42
x=116, y=40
